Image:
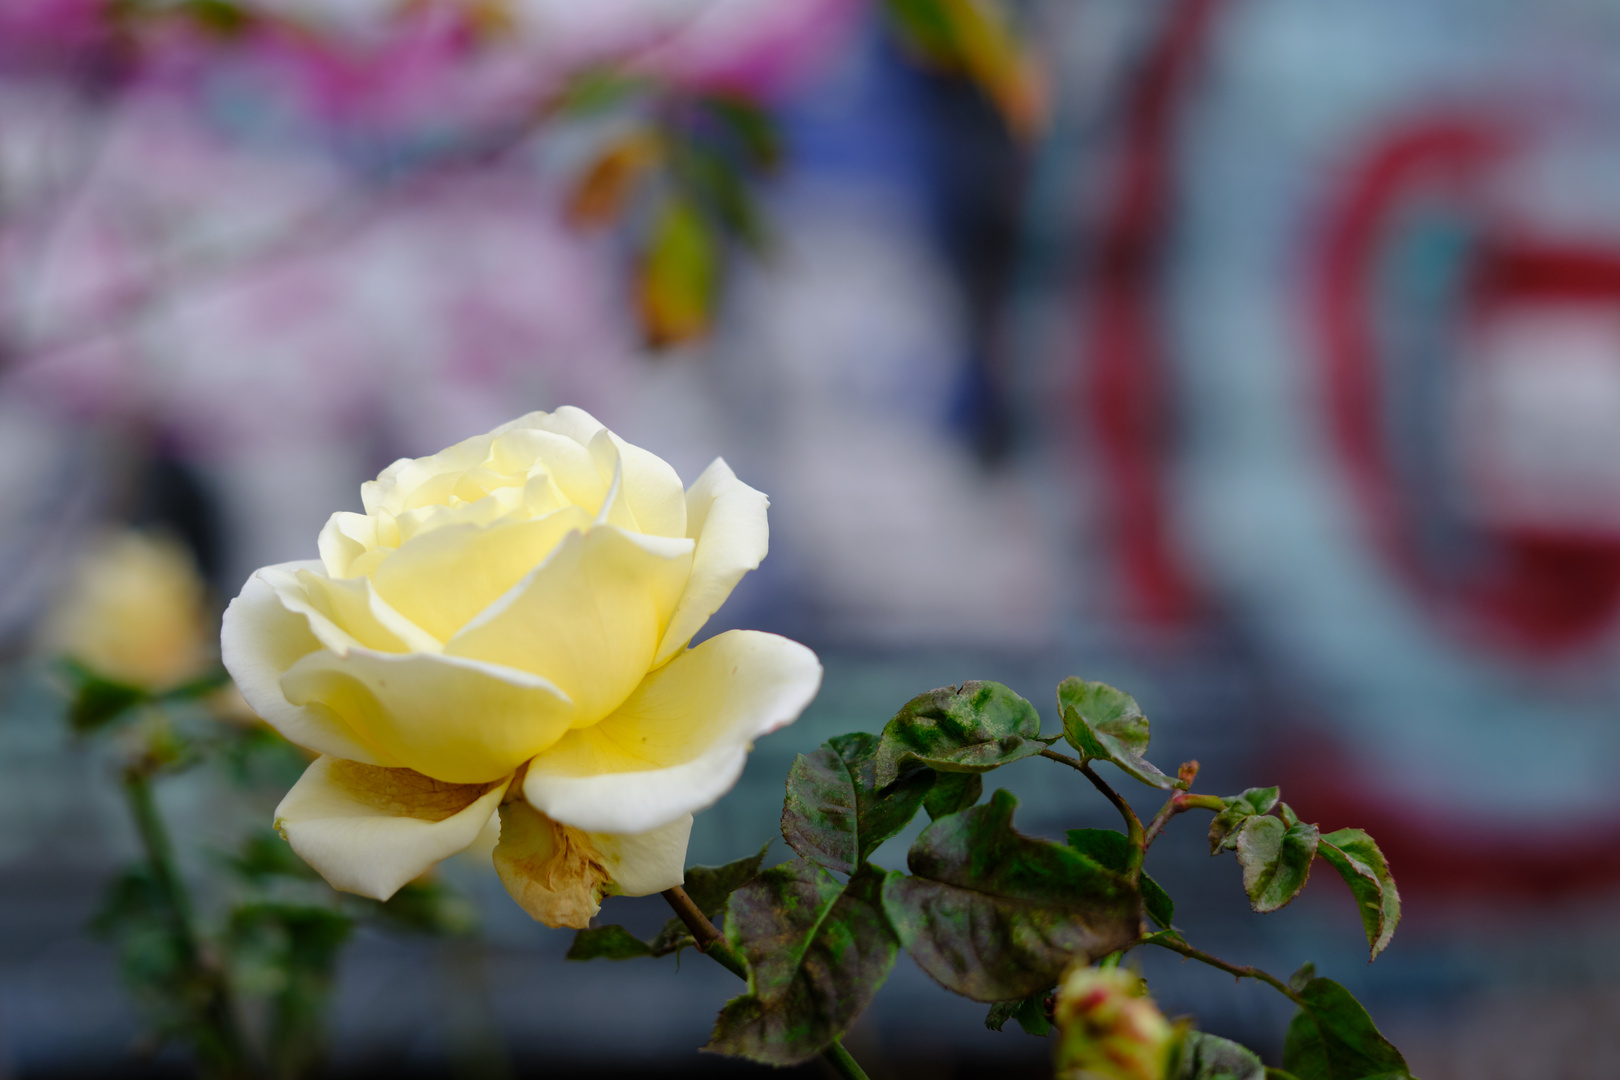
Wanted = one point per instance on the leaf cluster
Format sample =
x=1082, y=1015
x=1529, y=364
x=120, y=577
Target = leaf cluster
x=991, y=913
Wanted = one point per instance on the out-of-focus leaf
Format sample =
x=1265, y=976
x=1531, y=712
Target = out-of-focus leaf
x=1239, y=808
x=1030, y=1012
x=427, y=906
x=817, y=951
x=601, y=194
x=1358, y=860
x=835, y=814
x=1333, y=1038
x=607, y=943
x=971, y=728
x=994, y=915
x=1113, y=850
x=952, y=792
x=709, y=887
x=97, y=702
x=720, y=186
x=751, y=126
x=1299, y=979
x=1210, y=1057
x=1276, y=860
x=264, y=855
x=678, y=275
x=974, y=37
x=598, y=90
x=1106, y=724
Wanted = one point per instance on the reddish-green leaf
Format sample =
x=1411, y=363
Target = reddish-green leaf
x=835, y=813
x=817, y=951
x=1107, y=725
x=1276, y=860
x=1357, y=859
x=1239, y=808
x=678, y=275
x=971, y=728
x=994, y=915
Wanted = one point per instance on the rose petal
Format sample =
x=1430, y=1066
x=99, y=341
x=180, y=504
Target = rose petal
x=259, y=640
x=679, y=742
x=727, y=518
x=588, y=619
x=442, y=579
x=454, y=719
x=559, y=874
x=369, y=830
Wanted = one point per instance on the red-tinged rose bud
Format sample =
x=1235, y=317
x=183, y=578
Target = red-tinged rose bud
x=1109, y=1029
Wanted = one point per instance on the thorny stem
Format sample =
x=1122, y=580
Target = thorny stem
x=1237, y=971
x=217, y=1016
x=1133, y=824
x=711, y=943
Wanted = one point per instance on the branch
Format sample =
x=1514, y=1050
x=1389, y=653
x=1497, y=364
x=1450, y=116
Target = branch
x=1235, y=970
x=711, y=943
x=1180, y=802
x=1133, y=824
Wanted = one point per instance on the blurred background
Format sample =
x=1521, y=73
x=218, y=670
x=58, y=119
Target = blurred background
x=1259, y=358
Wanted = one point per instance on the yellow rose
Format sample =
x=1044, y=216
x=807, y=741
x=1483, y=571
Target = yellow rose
x=506, y=627
x=1109, y=1029
x=134, y=612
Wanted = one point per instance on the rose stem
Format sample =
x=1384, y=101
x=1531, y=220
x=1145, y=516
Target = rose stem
x=711, y=943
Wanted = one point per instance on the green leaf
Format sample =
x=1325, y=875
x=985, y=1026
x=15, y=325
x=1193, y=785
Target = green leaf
x=971, y=728
x=1239, y=808
x=429, y=907
x=607, y=943
x=1113, y=850
x=1279, y=1074
x=1107, y=725
x=264, y=855
x=817, y=951
x=752, y=127
x=994, y=915
x=1298, y=980
x=1356, y=857
x=834, y=812
x=1276, y=860
x=678, y=275
x=1030, y=1012
x=1333, y=1038
x=709, y=887
x=952, y=791
x=96, y=701
x=600, y=89
x=1210, y=1057
x=1289, y=817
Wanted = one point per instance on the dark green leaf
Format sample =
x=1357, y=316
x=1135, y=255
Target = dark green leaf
x=835, y=814
x=1209, y=1057
x=96, y=701
x=1279, y=1074
x=711, y=886
x=1107, y=725
x=1113, y=850
x=994, y=915
x=1276, y=860
x=817, y=951
x=1239, y=808
x=201, y=686
x=1298, y=980
x=952, y=791
x=672, y=938
x=972, y=728
x=1357, y=859
x=1030, y=1012
x=1333, y=1038
x=751, y=126
x=264, y=855
x=607, y=943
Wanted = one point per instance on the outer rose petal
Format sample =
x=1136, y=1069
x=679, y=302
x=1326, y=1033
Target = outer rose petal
x=588, y=619
x=259, y=640
x=679, y=742
x=727, y=519
x=559, y=874
x=456, y=720
x=369, y=830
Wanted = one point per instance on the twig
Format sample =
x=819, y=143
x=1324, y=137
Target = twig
x=1179, y=802
x=710, y=942
x=1133, y=824
x=1235, y=970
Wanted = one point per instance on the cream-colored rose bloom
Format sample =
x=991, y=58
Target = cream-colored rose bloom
x=506, y=627
x=133, y=612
